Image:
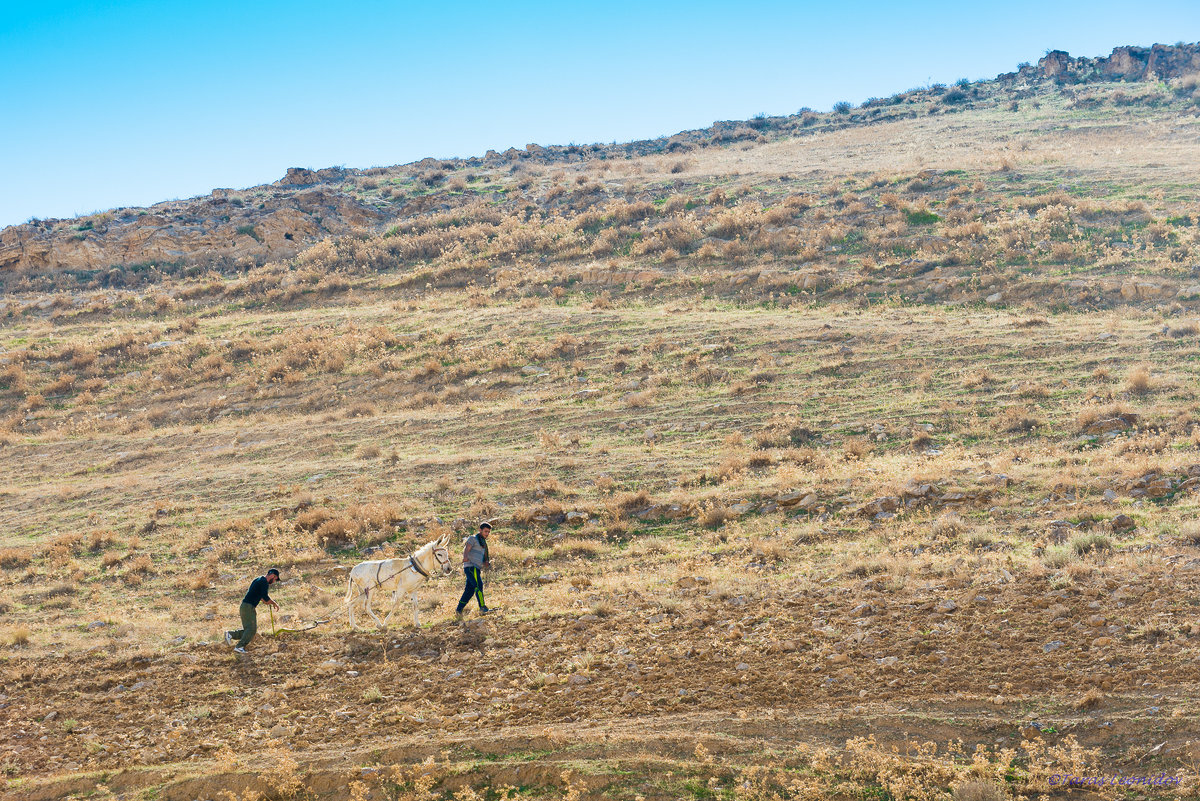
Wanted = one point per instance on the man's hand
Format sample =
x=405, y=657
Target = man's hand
x=274, y=605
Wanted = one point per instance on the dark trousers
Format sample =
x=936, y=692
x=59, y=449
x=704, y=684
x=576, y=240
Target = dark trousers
x=474, y=588
x=249, y=627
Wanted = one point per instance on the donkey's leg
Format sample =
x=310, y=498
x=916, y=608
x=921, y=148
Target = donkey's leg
x=351, y=602
x=392, y=607
x=416, y=622
x=378, y=622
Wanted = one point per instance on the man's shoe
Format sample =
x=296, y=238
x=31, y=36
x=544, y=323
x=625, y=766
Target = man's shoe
x=239, y=650
x=487, y=611
x=228, y=638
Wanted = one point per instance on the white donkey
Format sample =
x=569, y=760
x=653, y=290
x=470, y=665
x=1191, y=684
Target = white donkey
x=397, y=576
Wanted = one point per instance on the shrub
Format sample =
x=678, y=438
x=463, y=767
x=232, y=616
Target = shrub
x=1138, y=381
x=920, y=217
x=11, y=558
x=714, y=516
x=312, y=519
x=1089, y=543
x=337, y=534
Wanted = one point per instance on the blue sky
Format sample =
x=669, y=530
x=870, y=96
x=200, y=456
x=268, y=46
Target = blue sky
x=127, y=103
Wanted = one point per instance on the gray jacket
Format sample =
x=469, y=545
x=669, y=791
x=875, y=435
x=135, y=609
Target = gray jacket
x=475, y=552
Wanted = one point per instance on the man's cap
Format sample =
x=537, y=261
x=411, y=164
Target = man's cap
x=486, y=524
x=273, y=570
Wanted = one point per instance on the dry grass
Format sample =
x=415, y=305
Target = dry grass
x=779, y=338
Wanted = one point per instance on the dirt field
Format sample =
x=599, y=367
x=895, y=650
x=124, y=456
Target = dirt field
x=888, y=496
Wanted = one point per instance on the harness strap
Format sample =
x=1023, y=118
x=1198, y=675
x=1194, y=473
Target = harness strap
x=412, y=561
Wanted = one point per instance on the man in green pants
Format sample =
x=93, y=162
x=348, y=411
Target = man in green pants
x=475, y=559
x=249, y=611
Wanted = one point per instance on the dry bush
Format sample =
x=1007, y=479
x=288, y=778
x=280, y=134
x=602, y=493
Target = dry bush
x=1057, y=557
x=978, y=790
x=361, y=409
x=312, y=519
x=731, y=467
x=1092, y=414
x=856, y=448
x=1094, y=542
x=979, y=378
x=368, y=451
x=714, y=515
x=578, y=548
x=627, y=503
x=337, y=534
x=1138, y=381
x=1189, y=533
x=12, y=558
x=949, y=525
x=142, y=565
x=19, y=636
x=921, y=439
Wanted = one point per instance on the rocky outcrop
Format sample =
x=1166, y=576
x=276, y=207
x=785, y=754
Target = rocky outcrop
x=210, y=229
x=1157, y=62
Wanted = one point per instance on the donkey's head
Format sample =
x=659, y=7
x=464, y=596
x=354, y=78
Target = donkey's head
x=441, y=552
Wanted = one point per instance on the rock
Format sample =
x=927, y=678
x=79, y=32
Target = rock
x=1110, y=496
x=578, y=679
x=742, y=666
x=863, y=610
x=691, y=582
x=994, y=298
x=581, y=582
x=741, y=508
x=1159, y=488
x=576, y=518
x=1107, y=426
x=880, y=506
x=549, y=578
x=50, y=716
x=96, y=624
x=1053, y=645
x=803, y=500
x=1102, y=642
x=1122, y=523
x=651, y=435
x=1096, y=621
x=352, y=674
x=946, y=607
x=299, y=176
x=838, y=659
x=887, y=661
x=912, y=489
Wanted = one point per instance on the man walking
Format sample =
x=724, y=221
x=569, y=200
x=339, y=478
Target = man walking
x=249, y=611
x=475, y=559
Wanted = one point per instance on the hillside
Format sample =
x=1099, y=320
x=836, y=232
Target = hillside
x=845, y=455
